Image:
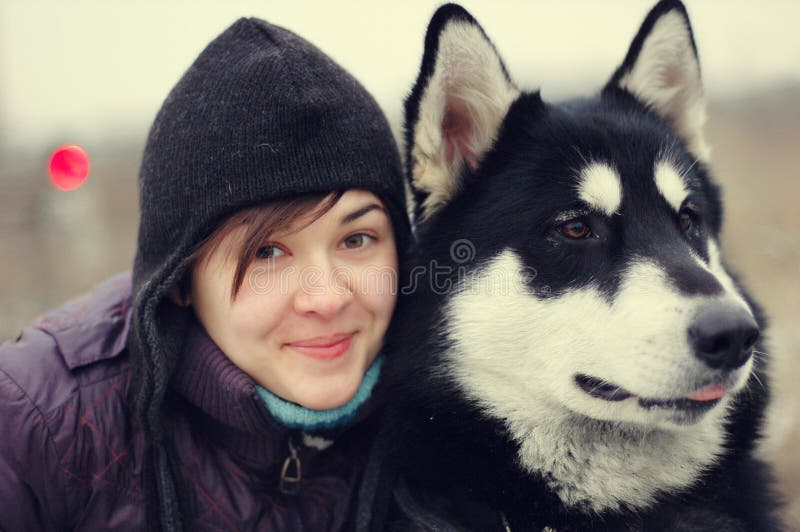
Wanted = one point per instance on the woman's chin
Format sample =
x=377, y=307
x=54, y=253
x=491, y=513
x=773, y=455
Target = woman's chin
x=327, y=396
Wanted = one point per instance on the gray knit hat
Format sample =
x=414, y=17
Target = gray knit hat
x=261, y=115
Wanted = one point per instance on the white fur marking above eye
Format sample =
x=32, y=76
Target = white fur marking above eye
x=600, y=188
x=670, y=184
x=666, y=76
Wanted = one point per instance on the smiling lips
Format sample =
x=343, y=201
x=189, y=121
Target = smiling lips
x=323, y=348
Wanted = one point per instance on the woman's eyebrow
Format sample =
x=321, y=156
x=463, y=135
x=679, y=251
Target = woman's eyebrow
x=360, y=212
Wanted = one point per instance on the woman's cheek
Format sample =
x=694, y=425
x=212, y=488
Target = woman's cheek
x=377, y=287
x=255, y=314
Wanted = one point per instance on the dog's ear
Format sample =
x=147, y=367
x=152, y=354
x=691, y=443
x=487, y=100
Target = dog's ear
x=662, y=71
x=455, y=109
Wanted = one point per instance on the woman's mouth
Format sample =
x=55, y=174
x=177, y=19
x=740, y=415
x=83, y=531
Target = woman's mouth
x=323, y=348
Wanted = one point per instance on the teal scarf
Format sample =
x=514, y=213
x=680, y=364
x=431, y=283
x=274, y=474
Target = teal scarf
x=295, y=416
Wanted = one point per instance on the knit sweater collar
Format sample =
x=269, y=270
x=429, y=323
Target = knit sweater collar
x=207, y=379
x=210, y=381
x=297, y=417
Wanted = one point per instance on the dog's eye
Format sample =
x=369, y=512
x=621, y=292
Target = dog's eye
x=687, y=216
x=575, y=229
x=685, y=220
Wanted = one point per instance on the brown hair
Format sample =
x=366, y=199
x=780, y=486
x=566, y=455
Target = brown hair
x=261, y=222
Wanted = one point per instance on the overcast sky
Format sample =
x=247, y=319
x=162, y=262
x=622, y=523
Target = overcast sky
x=80, y=70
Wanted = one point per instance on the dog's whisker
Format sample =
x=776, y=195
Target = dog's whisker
x=581, y=155
x=689, y=169
x=757, y=379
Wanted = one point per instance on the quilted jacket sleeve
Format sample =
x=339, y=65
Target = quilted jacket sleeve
x=31, y=497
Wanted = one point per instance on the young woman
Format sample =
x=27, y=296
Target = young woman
x=224, y=385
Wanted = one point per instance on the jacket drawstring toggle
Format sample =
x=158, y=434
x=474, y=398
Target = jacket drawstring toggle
x=291, y=472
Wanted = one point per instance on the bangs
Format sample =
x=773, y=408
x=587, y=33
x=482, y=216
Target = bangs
x=260, y=223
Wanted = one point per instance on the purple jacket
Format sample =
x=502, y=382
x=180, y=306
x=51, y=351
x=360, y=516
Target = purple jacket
x=70, y=454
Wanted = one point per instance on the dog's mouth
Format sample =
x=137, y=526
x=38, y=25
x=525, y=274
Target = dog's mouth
x=697, y=402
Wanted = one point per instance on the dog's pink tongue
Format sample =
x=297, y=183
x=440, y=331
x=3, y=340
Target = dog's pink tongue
x=709, y=393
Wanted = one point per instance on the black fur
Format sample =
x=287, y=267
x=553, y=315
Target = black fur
x=459, y=464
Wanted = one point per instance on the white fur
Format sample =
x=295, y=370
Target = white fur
x=666, y=76
x=467, y=71
x=670, y=184
x=600, y=187
x=516, y=355
x=316, y=442
x=716, y=268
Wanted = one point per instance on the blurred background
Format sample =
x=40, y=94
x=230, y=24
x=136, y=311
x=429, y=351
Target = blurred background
x=94, y=72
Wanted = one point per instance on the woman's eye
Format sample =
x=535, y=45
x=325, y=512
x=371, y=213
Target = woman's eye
x=575, y=229
x=356, y=241
x=269, y=252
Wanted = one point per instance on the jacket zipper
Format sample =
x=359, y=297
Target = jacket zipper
x=291, y=472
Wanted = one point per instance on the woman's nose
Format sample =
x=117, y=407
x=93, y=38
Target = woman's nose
x=323, y=291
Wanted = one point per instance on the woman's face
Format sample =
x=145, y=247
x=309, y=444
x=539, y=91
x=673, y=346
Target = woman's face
x=314, y=306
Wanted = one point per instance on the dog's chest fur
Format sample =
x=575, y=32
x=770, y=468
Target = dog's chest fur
x=596, y=466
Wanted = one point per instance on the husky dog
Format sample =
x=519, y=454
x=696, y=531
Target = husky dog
x=571, y=353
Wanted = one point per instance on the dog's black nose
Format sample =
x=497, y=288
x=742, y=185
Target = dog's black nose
x=723, y=336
